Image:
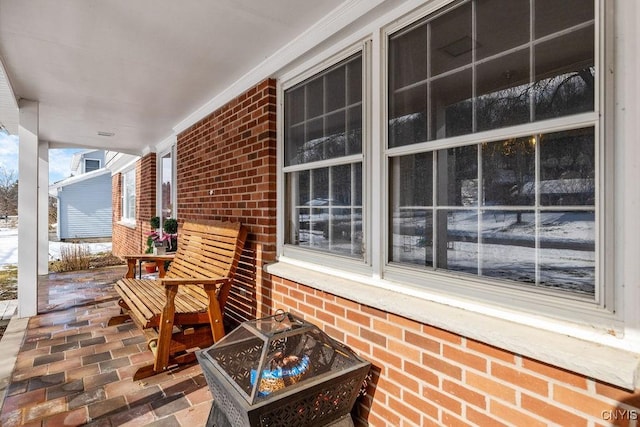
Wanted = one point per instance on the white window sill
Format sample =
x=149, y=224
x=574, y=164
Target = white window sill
x=593, y=359
x=127, y=223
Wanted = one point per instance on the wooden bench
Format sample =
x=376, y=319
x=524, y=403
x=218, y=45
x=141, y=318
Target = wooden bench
x=182, y=310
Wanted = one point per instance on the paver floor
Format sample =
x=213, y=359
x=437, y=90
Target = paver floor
x=72, y=369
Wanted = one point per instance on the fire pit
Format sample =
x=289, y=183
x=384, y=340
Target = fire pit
x=281, y=371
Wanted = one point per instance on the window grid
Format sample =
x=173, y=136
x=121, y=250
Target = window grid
x=323, y=131
x=538, y=209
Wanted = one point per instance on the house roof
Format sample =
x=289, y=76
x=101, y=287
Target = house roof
x=142, y=70
x=58, y=186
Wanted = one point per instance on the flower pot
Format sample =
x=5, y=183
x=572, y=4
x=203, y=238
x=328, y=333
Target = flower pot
x=149, y=266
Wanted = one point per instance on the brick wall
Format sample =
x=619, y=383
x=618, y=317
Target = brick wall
x=127, y=239
x=226, y=170
x=426, y=376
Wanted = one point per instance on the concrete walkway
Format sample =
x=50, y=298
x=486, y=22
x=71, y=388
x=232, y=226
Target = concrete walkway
x=8, y=308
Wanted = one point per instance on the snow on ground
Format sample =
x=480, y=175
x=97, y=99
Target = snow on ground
x=9, y=247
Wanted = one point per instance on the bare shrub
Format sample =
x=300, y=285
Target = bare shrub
x=73, y=257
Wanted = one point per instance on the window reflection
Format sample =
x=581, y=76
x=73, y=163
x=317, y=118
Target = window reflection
x=509, y=235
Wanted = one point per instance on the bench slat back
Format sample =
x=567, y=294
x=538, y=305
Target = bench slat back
x=208, y=249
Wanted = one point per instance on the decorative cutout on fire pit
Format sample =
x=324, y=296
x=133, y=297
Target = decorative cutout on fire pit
x=280, y=367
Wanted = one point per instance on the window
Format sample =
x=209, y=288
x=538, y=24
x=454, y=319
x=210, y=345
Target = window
x=129, y=195
x=167, y=190
x=91, y=165
x=493, y=144
x=323, y=161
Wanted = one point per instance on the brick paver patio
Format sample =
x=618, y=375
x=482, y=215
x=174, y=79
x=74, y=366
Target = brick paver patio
x=74, y=370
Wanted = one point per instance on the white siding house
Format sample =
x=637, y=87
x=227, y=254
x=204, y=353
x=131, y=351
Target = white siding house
x=84, y=200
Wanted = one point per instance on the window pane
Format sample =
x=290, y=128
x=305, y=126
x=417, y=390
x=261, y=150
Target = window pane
x=341, y=185
x=501, y=25
x=354, y=80
x=314, y=99
x=408, y=116
x=295, y=144
x=335, y=89
x=508, y=172
x=451, y=40
x=295, y=106
x=451, y=105
x=565, y=75
x=325, y=209
x=457, y=249
x=408, y=58
x=553, y=15
x=346, y=231
x=412, y=236
x=411, y=183
x=91, y=165
x=567, y=168
x=458, y=176
x=567, y=254
x=166, y=191
x=302, y=233
x=508, y=245
x=334, y=140
x=319, y=124
x=411, y=180
x=503, y=91
x=354, y=130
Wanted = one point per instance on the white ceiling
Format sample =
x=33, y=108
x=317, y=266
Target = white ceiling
x=136, y=68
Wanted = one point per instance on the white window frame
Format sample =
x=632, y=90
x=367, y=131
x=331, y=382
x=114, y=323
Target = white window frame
x=171, y=149
x=127, y=220
x=547, y=303
x=360, y=265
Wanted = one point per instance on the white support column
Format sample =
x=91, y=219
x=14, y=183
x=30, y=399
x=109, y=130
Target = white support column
x=28, y=209
x=43, y=207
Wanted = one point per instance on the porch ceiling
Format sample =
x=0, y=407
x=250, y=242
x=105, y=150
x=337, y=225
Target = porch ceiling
x=136, y=69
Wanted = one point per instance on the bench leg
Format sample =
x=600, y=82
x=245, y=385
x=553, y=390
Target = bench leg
x=119, y=320
x=166, y=330
x=215, y=314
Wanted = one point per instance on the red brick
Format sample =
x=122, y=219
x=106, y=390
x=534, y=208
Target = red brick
x=422, y=341
x=465, y=358
x=520, y=379
x=551, y=412
x=491, y=387
x=421, y=374
x=388, y=329
x=555, y=373
x=514, y=416
x=619, y=394
x=442, y=334
x=407, y=412
x=491, y=351
x=442, y=399
x=580, y=401
x=442, y=366
x=464, y=394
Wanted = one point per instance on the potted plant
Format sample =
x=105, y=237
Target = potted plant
x=170, y=228
x=151, y=266
x=168, y=239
